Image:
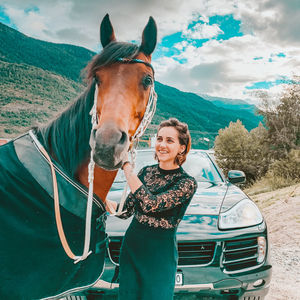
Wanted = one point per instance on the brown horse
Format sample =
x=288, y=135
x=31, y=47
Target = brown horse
x=123, y=93
x=33, y=262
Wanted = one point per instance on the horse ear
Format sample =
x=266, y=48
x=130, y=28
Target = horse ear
x=107, y=33
x=149, y=37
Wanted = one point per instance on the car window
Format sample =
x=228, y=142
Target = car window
x=201, y=167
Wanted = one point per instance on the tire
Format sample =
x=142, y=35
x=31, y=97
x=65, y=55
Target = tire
x=74, y=298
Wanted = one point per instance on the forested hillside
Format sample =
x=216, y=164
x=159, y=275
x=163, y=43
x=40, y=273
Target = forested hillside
x=39, y=79
x=66, y=60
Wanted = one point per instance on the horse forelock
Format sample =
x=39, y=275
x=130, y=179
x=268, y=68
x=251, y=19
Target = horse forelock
x=109, y=55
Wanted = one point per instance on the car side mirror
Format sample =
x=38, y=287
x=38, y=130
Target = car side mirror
x=236, y=176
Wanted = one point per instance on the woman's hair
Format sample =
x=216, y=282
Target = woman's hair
x=183, y=136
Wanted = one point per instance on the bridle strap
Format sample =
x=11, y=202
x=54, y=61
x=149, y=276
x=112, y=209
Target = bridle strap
x=149, y=112
x=134, y=61
x=148, y=115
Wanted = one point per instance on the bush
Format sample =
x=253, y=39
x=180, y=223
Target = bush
x=237, y=149
x=287, y=168
x=281, y=173
x=278, y=182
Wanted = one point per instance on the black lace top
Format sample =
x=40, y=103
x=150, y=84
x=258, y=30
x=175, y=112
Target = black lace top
x=162, y=199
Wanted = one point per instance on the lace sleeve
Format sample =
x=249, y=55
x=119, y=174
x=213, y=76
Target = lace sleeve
x=128, y=207
x=129, y=203
x=180, y=193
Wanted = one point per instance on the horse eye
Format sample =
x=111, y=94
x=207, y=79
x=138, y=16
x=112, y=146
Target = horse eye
x=97, y=80
x=147, y=81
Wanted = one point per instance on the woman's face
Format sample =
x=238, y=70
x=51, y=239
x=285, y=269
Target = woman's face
x=167, y=145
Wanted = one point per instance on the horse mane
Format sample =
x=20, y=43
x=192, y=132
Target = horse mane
x=109, y=55
x=66, y=138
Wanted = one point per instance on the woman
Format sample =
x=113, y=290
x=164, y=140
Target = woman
x=159, y=197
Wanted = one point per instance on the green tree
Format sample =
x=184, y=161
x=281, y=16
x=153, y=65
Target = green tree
x=236, y=148
x=282, y=118
x=258, y=150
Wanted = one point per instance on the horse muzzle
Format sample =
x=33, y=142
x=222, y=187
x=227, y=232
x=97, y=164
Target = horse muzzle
x=111, y=146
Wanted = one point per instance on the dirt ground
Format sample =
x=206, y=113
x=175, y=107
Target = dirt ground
x=281, y=210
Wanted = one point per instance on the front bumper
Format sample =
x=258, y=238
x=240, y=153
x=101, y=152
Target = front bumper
x=211, y=280
x=237, y=286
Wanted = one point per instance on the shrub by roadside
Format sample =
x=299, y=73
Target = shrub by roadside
x=281, y=173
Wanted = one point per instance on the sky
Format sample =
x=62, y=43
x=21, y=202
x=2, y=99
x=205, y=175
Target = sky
x=223, y=48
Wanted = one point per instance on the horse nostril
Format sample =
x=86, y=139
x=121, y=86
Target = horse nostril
x=123, y=138
x=94, y=133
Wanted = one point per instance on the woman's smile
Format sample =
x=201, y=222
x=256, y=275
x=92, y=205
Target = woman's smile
x=167, y=147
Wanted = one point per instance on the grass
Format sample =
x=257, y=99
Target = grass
x=268, y=196
x=267, y=184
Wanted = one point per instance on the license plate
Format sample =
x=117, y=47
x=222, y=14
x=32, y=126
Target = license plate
x=179, y=279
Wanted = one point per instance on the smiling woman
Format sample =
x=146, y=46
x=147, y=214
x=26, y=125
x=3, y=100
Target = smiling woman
x=159, y=197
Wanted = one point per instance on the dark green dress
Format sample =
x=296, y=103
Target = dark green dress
x=148, y=258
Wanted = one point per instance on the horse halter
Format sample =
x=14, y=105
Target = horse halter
x=148, y=115
x=150, y=108
x=149, y=112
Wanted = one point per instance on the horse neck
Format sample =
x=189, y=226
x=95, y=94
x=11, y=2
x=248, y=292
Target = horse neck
x=67, y=137
x=67, y=140
x=103, y=180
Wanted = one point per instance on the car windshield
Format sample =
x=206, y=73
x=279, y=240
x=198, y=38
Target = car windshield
x=198, y=165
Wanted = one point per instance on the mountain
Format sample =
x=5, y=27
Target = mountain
x=31, y=95
x=233, y=104
x=66, y=60
x=39, y=79
x=204, y=118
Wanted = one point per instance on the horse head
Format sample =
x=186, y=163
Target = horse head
x=124, y=78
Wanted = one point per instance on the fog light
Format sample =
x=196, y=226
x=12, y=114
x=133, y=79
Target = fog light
x=258, y=283
x=262, y=246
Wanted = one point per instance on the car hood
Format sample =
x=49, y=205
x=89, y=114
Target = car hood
x=201, y=215
x=212, y=198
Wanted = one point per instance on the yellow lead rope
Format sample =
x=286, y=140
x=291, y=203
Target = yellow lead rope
x=57, y=210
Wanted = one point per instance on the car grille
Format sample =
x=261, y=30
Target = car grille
x=240, y=254
x=114, y=250
x=195, y=253
x=189, y=252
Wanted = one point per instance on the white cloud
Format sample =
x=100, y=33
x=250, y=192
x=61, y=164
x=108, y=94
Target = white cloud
x=226, y=68
x=128, y=17
x=30, y=22
x=273, y=21
x=203, y=31
x=217, y=68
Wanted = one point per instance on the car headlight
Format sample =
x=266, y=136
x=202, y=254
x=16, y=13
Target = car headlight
x=243, y=214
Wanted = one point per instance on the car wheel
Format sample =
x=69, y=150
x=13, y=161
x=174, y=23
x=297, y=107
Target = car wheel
x=253, y=297
x=74, y=298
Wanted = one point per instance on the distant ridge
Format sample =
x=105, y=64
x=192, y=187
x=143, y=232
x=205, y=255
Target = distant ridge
x=63, y=59
x=235, y=104
x=39, y=79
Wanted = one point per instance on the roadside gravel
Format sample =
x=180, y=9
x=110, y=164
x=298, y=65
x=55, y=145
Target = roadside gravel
x=281, y=210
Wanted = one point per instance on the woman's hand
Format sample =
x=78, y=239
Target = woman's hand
x=132, y=179
x=111, y=206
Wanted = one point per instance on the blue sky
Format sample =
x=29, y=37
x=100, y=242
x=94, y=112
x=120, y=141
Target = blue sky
x=224, y=48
